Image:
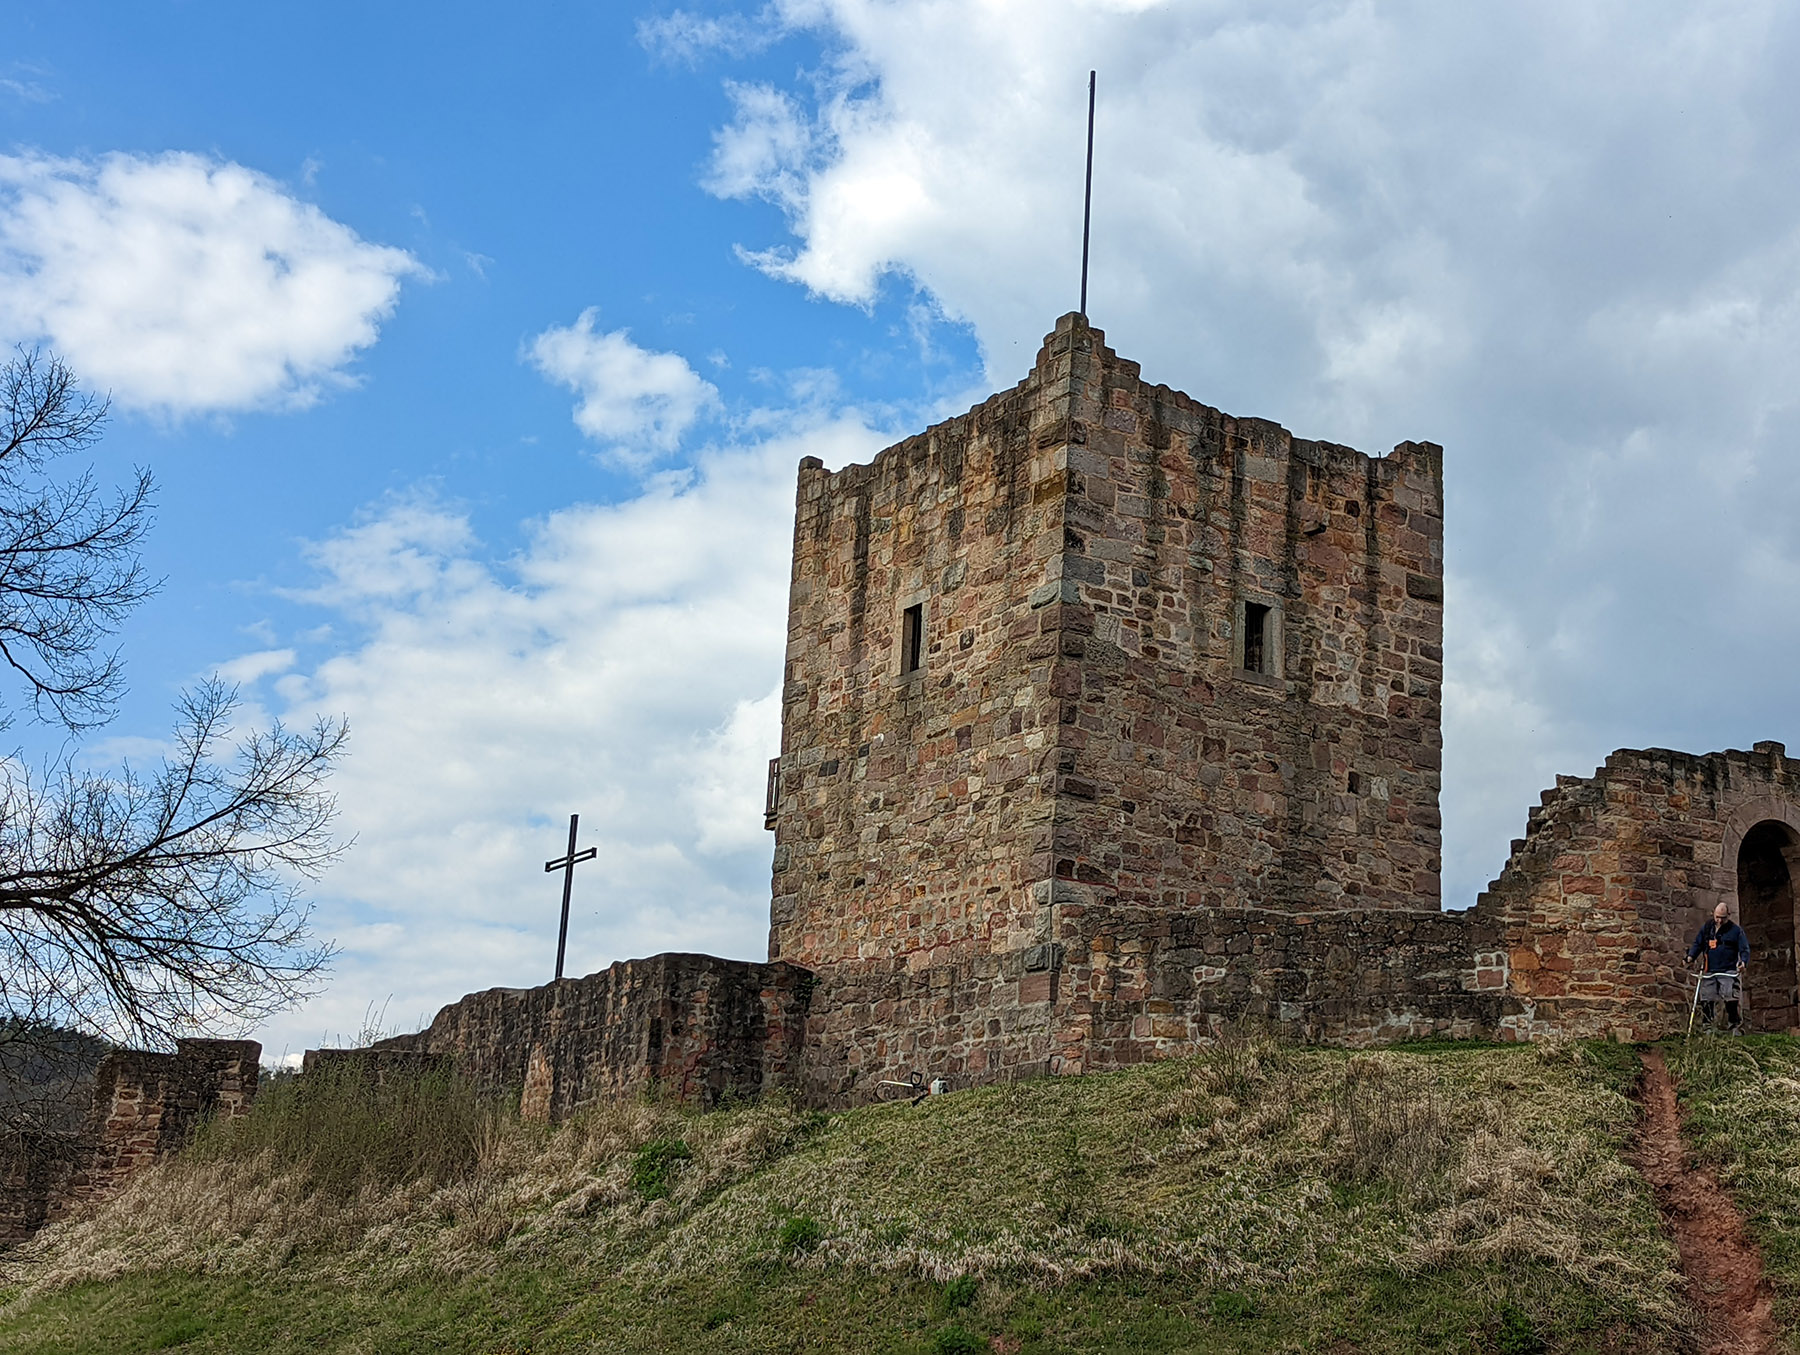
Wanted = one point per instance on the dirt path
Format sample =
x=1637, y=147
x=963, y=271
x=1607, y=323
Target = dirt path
x=1724, y=1273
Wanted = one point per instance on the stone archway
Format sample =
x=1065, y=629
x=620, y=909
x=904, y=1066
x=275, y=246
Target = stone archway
x=1768, y=858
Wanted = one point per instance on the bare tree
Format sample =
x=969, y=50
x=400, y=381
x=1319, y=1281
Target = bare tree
x=134, y=905
x=69, y=569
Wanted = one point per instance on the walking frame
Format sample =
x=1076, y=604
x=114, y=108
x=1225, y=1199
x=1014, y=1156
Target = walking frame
x=1694, y=1006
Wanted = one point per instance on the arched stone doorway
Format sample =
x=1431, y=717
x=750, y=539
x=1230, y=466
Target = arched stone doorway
x=1767, y=858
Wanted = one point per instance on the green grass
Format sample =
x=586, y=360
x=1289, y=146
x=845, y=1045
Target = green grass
x=774, y=1310
x=1740, y=1101
x=1441, y=1198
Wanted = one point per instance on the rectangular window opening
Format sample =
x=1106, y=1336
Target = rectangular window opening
x=1256, y=625
x=912, y=637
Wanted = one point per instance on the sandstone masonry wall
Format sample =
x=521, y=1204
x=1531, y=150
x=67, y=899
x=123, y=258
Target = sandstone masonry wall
x=1146, y=984
x=145, y=1106
x=913, y=809
x=1186, y=780
x=1087, y=755
x=691, y=1026
x=1615, y=874
x=1083, y=550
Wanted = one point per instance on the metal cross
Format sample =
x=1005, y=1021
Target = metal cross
x=566, y=864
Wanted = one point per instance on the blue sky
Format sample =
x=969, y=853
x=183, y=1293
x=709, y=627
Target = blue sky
x=473, y=352
x=533, y=167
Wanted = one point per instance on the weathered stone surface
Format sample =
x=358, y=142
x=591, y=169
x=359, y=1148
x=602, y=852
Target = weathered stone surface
x=1617, y=872
x=690, y=1026
x=144, y=1106
x=1083, y=547
x=1139, y=985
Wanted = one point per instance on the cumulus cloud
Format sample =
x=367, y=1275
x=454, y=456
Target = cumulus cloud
x=634, y=402
x=624, y=665
x=1561, y=241
x=187, y=285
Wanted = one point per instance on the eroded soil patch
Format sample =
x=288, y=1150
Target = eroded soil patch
x=1723, y=1269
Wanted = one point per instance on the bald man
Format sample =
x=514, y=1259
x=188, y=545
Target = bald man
x=1723, y=950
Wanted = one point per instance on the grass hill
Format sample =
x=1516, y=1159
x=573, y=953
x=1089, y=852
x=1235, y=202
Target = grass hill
x=1255, y=1198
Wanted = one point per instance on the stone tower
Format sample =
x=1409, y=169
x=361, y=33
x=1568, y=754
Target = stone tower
x=1095, y=646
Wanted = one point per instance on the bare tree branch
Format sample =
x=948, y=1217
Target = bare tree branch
x=69, y=568
x=145, y=908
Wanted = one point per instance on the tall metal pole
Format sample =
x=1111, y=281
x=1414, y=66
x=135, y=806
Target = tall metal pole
x=562, y=935
x=1087, y=196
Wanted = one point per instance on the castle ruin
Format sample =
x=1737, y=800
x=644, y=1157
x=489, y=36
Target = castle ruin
x=1109, y=718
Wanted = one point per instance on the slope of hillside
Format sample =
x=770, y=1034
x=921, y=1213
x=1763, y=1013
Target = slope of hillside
x=1741, y=1110
x=1255, y=1198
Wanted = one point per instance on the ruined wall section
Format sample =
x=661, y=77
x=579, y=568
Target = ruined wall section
x=695, y=1027
x=912, y=813
x=1185, y=780
x=144, y=1106
x=1616, y=872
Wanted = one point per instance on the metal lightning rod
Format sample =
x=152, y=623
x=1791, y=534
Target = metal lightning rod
x=1087, y=196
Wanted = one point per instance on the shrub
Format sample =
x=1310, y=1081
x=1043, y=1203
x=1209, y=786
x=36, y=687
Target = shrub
x=801, y=1233
x=1070, y=1182
x=960, y=1292
x=1390, y=1127
x=650, y=1169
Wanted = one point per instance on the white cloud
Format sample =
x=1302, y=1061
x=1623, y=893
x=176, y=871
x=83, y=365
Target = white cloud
x=1562, y=241
x=680, y=36
x=635, y=402
x=186, y=285
x=264, y=663
x=625, y=665
x=766, y=152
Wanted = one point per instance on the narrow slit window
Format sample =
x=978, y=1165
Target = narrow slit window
x=1256, y=625
x=912, y=637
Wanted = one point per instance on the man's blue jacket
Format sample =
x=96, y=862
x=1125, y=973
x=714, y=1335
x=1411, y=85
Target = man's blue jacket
x=1725, y=946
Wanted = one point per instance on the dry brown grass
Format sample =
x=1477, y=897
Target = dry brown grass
x=1252, y=1166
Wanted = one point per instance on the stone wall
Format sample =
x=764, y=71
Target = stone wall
x=694, y=1027
x=1137, y=984
x=1083, y=549
x=1581, y=936
x=144, y=1106
x=1615, y=874
x=1186, y=779
x=913, y=809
